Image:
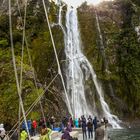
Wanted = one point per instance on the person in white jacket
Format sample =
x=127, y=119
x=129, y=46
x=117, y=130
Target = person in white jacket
x=2, y=132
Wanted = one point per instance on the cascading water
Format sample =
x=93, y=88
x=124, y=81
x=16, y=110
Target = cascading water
x=78, y=70
x=74, y=74
x=60, y=18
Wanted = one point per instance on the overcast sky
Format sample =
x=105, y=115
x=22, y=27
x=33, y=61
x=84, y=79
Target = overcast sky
x=79, y=2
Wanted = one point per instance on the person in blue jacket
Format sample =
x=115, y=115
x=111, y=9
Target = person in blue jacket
x=95, y=123
x=29, y=124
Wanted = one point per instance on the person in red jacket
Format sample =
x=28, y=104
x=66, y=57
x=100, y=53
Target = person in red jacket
x=34, y=126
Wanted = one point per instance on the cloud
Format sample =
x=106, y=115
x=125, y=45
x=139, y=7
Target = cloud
x=76, y=3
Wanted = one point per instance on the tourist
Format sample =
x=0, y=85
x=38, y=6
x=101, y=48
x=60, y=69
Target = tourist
x=52, y=122
x=2, y=131
x=69, y=128
x=62, y=127
x=66, y=136
x=95, y=122
x=100, y=131
x=23, y=125
x=42, y=122
x=105, y=121
x=23, y=135
x=64, y=121
x=48, y=122
x=45, y=133
x=83, y=118
x=89, y=118
x=76, y=123
x=29, y=124
x=79, y=122
x=34, y=127
x=71, y=122
x=90, y=128
x=15, y=135
x=84, y=125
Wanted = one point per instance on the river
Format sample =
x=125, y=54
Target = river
x=121, y=134
x=125, y=134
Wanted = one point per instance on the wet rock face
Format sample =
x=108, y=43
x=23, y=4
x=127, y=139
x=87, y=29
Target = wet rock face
x=117, y=28
x=3, y=5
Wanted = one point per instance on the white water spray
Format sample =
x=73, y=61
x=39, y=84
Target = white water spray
x=78, y=70
x=74, y=74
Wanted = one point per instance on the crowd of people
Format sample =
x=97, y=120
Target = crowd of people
x=90, y=125
x=45, y=126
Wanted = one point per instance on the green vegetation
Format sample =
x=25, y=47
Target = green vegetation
x=43, y=58
x=128, y=55
x=117, y=21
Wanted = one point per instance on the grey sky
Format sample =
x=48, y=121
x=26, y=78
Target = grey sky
x=76, y=3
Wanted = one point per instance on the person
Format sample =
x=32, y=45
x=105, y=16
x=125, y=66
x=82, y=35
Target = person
x=69, y=128
x=105, y=122
x=100, y=132
x=45, y=133
x=66, y=136
x=95, y=123
x=42, y=122
x=52, y=122
x=79, y=122
x=83, y=118
x=34, y=127
x=89, y=118
x=84, y=125
x=90, y=128
x=62, y=127
x=48, y=122
x=29, y=124
x=23, y=125
x=16, y=135
x=23, y=135
x=71, y=122
x=2, y=132
x=76, y=123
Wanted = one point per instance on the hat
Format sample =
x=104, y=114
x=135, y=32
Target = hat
x=1, y=125
x=102, y=121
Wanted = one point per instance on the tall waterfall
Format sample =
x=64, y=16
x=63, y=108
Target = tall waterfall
x=78, y=70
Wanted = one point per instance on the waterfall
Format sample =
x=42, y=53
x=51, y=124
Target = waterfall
x=60, y=18
x=74, y=74
x=78, y=70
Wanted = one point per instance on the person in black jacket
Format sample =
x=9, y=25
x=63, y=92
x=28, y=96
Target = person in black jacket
x=84, y=127
x=90, y=128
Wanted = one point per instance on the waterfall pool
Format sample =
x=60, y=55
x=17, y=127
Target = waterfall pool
x=124, y=134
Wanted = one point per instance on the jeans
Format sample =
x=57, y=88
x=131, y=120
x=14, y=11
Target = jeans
x=84, y=134
x=90, y=134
